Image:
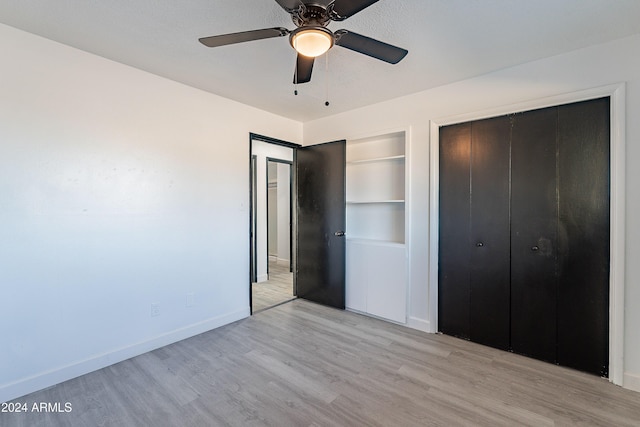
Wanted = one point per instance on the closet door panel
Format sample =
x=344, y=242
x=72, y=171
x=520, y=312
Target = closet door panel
x=453, y=268
x=583, y=293
x=489, y=245
x=534, y=234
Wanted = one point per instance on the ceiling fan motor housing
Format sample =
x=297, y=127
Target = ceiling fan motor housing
x=311, y=15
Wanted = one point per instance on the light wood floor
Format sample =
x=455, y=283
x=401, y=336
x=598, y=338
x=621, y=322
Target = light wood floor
x=276, y=290
x=301, y=364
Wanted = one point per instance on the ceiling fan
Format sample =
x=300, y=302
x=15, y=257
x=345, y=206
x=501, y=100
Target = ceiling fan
x=311, y=38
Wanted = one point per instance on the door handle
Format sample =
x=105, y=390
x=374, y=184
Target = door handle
x=340, y=233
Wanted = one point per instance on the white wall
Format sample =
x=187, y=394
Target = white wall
x=284, y=213
x=272, y=219
x=262, y=150
x=279, y=201
x=118, y=189
x=584, y=69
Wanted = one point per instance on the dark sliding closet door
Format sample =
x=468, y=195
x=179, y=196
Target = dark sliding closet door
x=524, y=233
x=534, y=235
x=489, y=243
x=584, y=231
x=455, y=218
x=474, y=258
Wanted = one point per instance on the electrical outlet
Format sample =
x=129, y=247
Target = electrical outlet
x=190, y=299
x=155, y=309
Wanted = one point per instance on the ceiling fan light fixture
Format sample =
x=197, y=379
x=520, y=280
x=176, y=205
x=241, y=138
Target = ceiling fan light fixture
x=311, y=41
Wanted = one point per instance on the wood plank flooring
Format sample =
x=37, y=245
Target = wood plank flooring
x=276, y=290
x=301, y=364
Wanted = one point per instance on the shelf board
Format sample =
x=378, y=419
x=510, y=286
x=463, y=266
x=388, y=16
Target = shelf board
x=371, y=202
x=390, y=243
x=377, y=159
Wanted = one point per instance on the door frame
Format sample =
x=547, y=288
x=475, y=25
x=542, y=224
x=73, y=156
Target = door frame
x=290, y=164
x=253, y=226
x=274, y=141
x=617, y=137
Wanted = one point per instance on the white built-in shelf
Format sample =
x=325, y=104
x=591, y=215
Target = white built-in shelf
x=369, y=202
x=377, y=242
x=377, y=159
x=375, y=186
x=376, y=253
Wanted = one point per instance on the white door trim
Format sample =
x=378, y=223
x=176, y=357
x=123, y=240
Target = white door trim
x=617, y=205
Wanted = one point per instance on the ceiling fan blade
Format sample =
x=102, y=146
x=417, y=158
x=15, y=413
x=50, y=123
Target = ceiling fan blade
x=289, y=5
x=371, y=47
x=342, y=9
x=304, y=67
x=244, y=36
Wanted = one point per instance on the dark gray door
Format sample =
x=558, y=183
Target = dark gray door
x=584, y=239
x=320, y=182
x=534, y=235
x=474, y=231
x=489, y=244
x=454, y=252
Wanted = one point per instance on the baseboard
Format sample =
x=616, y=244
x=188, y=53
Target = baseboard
x=263, y=278
x=55, y=376
x=419, y=324
x=412, y=322
x=283, y=261
x=631, y=381
x=384, y=319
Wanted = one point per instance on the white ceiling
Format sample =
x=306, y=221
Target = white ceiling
x=448, y=40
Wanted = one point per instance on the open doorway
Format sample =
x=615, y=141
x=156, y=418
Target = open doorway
x=272, y=236
x=278, y=287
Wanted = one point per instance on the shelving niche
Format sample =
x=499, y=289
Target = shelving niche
x=376, y=217
x=376, y=188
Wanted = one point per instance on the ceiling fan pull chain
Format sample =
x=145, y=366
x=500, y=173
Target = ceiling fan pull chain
x=295, y=74
x=295, y=78
x=326, y=79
